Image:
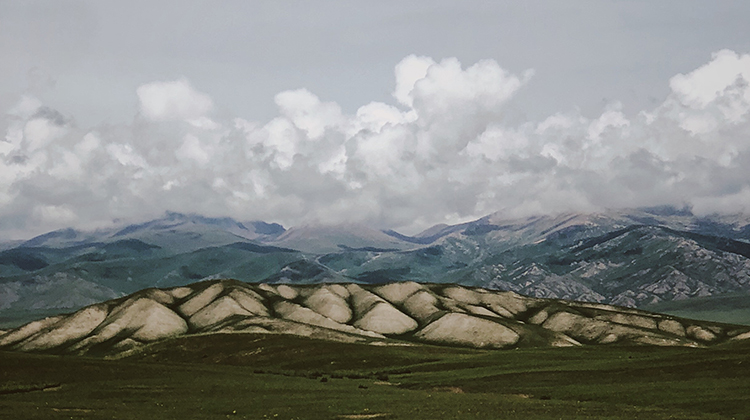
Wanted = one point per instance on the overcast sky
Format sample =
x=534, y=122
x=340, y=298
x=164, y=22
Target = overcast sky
x=392, y=113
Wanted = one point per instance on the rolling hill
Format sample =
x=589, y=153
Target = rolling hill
x=388, y=314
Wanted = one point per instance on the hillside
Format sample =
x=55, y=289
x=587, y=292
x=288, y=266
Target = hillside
x=388, y=314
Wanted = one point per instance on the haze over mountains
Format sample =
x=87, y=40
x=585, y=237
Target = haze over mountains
x=630, y=258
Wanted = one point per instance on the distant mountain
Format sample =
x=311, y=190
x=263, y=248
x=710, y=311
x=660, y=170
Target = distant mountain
x=68, y=269
x=173, y=222
x=631, y=258
x=394, y=313
x=175, y=232
x=330, y=239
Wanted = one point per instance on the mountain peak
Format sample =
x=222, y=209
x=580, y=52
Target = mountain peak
x=321, y=239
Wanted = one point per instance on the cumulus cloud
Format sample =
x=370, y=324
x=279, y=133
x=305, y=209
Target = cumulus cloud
x=173, y=100
x=704, y=85
x=442, y=152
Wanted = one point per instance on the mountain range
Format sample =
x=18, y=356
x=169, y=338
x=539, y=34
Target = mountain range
x=639, y=258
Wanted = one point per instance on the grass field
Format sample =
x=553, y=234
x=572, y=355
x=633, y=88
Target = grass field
x=731, y=308
x=243, y=376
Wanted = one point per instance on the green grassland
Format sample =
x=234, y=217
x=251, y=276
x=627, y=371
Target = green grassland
x=245, y=376
x=731, y=308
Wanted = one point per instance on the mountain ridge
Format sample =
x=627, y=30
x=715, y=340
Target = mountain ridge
x=625, y=257
x=388, y=314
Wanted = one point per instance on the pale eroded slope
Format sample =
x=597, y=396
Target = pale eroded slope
x=397, y=312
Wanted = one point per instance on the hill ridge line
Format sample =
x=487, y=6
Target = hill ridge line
x=393, y=313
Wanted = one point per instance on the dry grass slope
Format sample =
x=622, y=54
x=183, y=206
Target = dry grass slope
x=397, y=313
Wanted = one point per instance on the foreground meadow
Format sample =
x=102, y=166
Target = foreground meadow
x=244, y=376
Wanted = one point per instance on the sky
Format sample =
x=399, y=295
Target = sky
x=394, y=114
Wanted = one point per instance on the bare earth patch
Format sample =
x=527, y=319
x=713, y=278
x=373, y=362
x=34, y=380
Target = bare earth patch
x=72, y=410
x=451, y=389
x=363, y=416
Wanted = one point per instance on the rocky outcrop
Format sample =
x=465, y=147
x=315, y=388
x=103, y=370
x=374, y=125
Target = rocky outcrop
x=330, y=304
x=398, y=312
x=470, y=331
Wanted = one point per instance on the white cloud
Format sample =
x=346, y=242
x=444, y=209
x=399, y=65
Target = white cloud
x=408, y=72
x=67, y=166
x=443, y=152
x=53, y=215
x=376, y=115
x=484, y=86
x=26, y=107
x=40, y=132
x=611, y=118
x=193, y=150
x=88, y=144
x=308, y=113
x=704, y=85
x=173, y=100
x=278, y=139
x=204, y=123
x=125, y=155
x=454, y=105
x=712, y=96
x=384, y=153
x=499, y=142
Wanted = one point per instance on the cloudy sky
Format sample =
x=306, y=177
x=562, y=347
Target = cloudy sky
x=396, y=114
